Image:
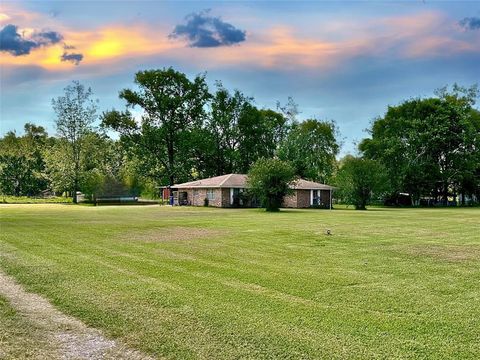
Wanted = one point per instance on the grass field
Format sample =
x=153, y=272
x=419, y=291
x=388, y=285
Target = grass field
x=185, y=283
x=33, y=200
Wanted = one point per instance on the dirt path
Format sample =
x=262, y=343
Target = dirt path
x=72, y=338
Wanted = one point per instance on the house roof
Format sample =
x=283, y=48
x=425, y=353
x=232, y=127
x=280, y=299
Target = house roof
x=223, y=181
x=302, y=184
x=240, y=181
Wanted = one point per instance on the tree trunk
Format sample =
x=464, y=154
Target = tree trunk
x=445, y=194
x=171, y=161
x=75, y=188
x=76, y=159
x=362, y=205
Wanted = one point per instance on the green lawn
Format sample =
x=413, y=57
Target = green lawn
x=34, y=200
x=211, y=283
x=18, y=338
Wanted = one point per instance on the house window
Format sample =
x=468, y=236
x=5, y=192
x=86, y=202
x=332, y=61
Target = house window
x=315, y=197
x=210, y=194
x=183, y=198
x=235, y=196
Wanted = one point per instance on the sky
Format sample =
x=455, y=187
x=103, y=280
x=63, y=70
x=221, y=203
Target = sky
x=341, y=61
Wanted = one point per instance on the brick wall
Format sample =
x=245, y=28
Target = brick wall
x=290, y=201
x=217, y=201
x=299, y=199
x=226, y=198
x=303, y=198
x=325, y=198
x=198, y=197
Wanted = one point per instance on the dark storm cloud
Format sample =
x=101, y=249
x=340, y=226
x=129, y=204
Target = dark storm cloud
x=203, y=30
x=47, y=37
x=470, y=23
x=17, y=44
x=74, y=58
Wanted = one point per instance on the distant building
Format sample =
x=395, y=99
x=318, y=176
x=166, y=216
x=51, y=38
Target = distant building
x=226, y=190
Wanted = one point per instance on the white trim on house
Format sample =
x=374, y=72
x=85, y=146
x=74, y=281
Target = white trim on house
x=232, y=194
x=226, y=179
x=311, y=197
x=330, y=199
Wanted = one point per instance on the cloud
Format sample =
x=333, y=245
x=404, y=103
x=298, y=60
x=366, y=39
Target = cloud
x=74, y=58
x=46, y=38
x=4, y=17
x=470, y=23
x=17, y=44
x=425, y=35
x=112, y=45
x=202, y=30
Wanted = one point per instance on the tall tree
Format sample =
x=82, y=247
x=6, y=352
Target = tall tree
x=76, y=113
x=289, y=110
x=173, y=107
x=15, y=174
x=469, y=179
x=252, y=131
x=240, y=133
x=311, y=146
x=428, y=146
x=102, y=162
x=260, y=134
x=223, y=125
x=277, y=127
x=60, y=167
x=21, y=162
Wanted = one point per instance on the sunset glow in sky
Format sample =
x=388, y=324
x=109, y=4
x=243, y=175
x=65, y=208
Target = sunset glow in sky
x=343, y=61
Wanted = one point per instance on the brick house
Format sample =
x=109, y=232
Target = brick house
x=223, y=191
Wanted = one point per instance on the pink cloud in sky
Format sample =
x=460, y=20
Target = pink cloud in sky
x=424, y=34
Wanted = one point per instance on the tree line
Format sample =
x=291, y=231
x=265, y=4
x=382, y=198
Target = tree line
x=424, y=147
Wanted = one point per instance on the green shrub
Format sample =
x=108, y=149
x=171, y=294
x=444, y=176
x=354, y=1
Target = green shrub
x=270, y=181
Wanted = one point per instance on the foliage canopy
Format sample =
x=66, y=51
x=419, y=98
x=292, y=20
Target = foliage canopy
x=270, y=181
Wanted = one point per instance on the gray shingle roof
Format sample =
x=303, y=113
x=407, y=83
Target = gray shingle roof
x=302, y=184
x=240, y=181
x=224, y=181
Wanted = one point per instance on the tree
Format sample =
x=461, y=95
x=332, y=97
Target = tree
x=270, y=181
x=469, y=179
x=223, y=125
x=429, y=146
x=21, y=162
x=311, y=146
x=359, y=180
x=173, y=108
x=60, y=167
x=289, y=110
x=76, y=113
x=102, y=161
x=252, y=133
x=15, y=174
x=277, y=128
x=260, y=134
x=240, y=133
